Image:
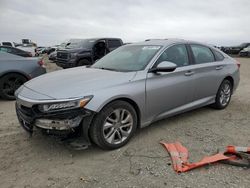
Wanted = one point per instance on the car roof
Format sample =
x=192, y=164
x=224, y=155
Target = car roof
x=161, y=42
x=103, y=38
x=168, y=42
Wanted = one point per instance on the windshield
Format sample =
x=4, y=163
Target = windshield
x=128, y=58
x=81, y=44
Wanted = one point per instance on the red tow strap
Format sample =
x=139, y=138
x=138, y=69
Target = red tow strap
x=179, y=156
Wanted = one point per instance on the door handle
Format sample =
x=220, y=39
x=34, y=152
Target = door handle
x=189, y=73
x=219, y=67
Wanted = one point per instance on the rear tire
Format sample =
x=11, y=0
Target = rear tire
x=83, y=62
x=114, y=125
x=9, y=84
x=223, y=95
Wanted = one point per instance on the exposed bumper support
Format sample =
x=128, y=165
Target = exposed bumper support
x=58, y=124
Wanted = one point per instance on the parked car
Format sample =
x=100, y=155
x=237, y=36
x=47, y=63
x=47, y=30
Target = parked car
x=129, y=88
x=15, y=51
x=16, y=70
x=52, y=56
x=86, y=51
x=245, y=52
x=235, y=49
x=28, y=48
x=38, y=50
x=7, y=44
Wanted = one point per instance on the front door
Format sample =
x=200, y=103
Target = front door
x=166, y=92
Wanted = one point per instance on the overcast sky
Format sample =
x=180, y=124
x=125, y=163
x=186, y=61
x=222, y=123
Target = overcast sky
x=48, y=22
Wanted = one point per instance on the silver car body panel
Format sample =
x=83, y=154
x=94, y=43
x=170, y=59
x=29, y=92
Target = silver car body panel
x=157, y=95
x=27, y=66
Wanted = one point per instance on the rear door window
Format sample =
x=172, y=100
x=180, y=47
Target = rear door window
x=202, y=54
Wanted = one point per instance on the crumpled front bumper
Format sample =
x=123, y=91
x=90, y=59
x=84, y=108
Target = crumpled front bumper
x=62, y=122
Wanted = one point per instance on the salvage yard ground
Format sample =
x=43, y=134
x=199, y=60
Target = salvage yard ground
x=43, y=161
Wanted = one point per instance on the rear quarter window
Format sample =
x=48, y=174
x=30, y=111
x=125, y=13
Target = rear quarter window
x=218, y=55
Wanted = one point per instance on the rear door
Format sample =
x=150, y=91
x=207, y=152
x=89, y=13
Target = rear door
x=208, y=71
x=165, y=92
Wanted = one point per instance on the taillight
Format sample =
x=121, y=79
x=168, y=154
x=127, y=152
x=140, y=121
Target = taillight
x=41, y=63
x=238, y=63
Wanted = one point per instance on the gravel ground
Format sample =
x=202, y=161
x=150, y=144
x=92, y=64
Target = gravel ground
x=43, y=161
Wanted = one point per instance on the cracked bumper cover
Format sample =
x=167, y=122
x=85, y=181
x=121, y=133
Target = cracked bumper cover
x=62, y=121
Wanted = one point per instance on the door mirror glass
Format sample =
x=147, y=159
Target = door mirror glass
x=164, y=66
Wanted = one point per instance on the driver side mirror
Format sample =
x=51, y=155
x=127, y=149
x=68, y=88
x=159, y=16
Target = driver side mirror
x=164, y=66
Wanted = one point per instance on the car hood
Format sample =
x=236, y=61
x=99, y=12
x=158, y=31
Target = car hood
x=77, y=82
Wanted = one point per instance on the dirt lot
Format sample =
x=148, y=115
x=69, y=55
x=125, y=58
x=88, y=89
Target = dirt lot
x=43, y=161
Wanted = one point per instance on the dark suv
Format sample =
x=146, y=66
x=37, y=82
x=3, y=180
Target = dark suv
x=86, y=51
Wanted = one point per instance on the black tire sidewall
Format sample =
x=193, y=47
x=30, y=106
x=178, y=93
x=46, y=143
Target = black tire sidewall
x=2, y=81
x=101, y=117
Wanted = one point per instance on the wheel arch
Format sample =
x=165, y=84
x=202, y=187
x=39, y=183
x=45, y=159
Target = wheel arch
x=132, y=103
x=16, y=72
x=230, y=79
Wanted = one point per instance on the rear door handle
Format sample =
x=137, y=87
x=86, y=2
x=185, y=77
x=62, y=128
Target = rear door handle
x=219, y=67
x=189, y=73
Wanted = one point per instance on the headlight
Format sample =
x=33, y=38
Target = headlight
x=65, y=105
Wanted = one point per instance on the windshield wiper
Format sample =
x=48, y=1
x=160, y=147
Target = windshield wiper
x=104, y=68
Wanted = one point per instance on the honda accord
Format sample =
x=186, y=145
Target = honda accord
x=129, y=88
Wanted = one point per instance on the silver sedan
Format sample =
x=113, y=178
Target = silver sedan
x=130, y=88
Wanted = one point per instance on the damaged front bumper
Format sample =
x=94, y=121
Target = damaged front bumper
x=60, y=122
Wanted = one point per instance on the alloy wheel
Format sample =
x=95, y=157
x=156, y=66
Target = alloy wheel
x=225, y=94
x=118, y=126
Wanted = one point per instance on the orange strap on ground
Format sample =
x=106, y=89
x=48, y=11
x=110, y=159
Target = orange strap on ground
x=179, y=156
x=236, y=149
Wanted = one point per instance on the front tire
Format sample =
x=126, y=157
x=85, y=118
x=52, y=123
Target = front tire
x=9, y=84
x=114, y=125
x=223, y=95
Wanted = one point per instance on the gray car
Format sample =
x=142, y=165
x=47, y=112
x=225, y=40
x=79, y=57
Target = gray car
x=16, y=70
x=130, y=88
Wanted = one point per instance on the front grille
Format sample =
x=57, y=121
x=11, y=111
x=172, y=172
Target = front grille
x=27, y=111
x=62, y=55
x=25, y=114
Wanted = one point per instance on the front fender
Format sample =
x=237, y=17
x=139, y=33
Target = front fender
x=133, y=90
